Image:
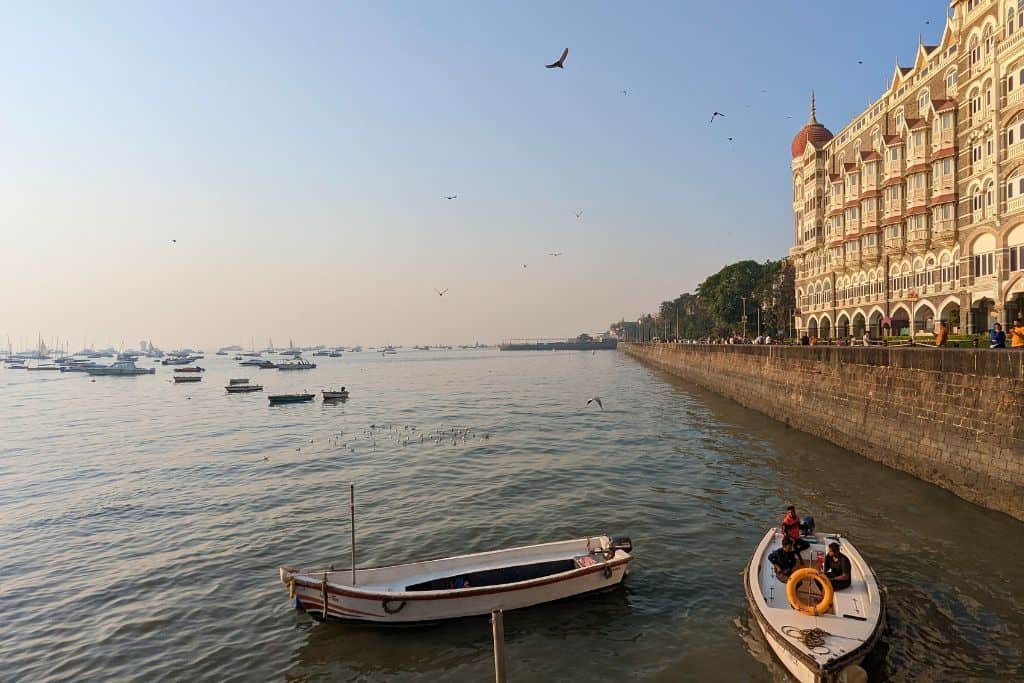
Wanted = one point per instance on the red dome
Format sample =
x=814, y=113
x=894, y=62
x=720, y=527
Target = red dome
x=813, y=131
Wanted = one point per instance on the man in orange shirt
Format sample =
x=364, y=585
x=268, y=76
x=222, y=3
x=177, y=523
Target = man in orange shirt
x=1017, y=335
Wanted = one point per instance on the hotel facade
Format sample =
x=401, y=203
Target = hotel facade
x=914, y=212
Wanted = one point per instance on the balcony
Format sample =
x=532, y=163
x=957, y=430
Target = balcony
x=1015, y=97
x=870, y=253
x=982, y=167
x=893, y=209
x=852, y=260
x=944, y=233
x=1008, y=44
x=852, y=227
x=894, y=169
x=918, y=239
x=917, y=155
x=945, y=139
x=895, y=245
x=917, y=197
x=835, y=237
x=1016, y=204
x=869, y=219
x=1014, y=151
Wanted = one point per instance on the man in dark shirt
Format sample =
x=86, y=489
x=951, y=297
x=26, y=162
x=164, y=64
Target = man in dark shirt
x=784, y=559
x=837, y=567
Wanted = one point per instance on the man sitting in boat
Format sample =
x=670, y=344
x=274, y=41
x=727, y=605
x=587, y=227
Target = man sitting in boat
x=784, y=559
x=837, y=567
x=791, y=528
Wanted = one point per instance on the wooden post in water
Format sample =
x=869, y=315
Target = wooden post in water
x=352, y=510
x=498, y=631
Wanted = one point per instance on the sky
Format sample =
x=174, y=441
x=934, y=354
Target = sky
x=299, y=154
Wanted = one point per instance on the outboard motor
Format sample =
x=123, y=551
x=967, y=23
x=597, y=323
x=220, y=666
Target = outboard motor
x=622, y=543
x=807, y=526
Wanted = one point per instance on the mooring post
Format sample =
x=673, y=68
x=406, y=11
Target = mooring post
x=498, y=629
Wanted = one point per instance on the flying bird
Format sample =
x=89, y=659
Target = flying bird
x=174, y=241
x=860, y=61
x=441, y=292
x=624, y=92
x=579, y=214
x=561, y=61
x=554, y=253
x=450, y=196
x=525, y=264
x=730, y=139
x=597, y=400
x=713, y=115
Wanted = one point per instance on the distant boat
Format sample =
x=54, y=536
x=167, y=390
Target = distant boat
x=122, y=368
x=176, y=360
x=180, y=379
x=192, y=369
x=289, y=398
x=388, y=351
x=340, y=394
x=45, y=366
x=242, y=386
x=222, y=353
x=297, y=364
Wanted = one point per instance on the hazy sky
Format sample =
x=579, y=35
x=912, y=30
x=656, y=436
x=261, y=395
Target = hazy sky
x=299, y=152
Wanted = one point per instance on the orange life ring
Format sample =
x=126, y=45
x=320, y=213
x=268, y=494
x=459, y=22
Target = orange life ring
x=818, y=577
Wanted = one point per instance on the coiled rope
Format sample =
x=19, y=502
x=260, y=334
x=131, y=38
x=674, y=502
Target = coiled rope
x=813, y=638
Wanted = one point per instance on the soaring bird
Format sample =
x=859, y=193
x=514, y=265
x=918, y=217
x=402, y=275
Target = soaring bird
x=561, y=61
x=555, y=253
x=597, y=400
x=713, y=115
x=450, y=196
x=525, y=264
x=860, y=61
x=174, y=241
x=625, y=92
x=579, y=214
x=441, y=292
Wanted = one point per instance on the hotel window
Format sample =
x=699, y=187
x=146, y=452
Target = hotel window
x=1016, y=258
x=922, y=102
x=899, y=118
x=984, y=264
x=946, y=269
x=870, y=240
x=951, y=80
x=978, y=201
x=989, y=148
x=976, y=154
x=1009, y=137
x=894, y=154
x=947, y=121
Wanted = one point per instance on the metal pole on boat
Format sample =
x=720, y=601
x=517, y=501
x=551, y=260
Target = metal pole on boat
x=352, y=510
x=498, y=631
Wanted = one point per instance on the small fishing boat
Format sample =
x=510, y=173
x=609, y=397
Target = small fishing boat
x=820, y=635
x=289, y=398
x=335, y=395
x=243, y=388
x=122, y=368
x=462, y=586
x=176, y=360
x=180, y=379
x=192, y=369
x=240, y=380
x=266, y=365
x=44, y=366
x=297, y=364
x=388, y=351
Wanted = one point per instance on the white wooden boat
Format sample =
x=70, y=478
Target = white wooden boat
x=335, y=395
x=817, y=649
x=462, y=586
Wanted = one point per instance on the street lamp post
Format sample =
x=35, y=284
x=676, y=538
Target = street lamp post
x=743, y=319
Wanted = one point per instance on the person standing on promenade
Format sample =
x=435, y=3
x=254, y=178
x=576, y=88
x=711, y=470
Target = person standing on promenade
x=997, y=338
x=1017, y=335
x=866, y=338
x=940, y=336
x=805, y=340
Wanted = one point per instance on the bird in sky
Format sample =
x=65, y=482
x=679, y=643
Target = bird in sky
x=597, y=400
x=860, y=61
x=554, y=253
x=525, y=264
x=625, y=92
x=450, y=196
x=717, y=113
x=560, y=63
x=789, y=116
x=441, y=292
x=174, y=241
x=579, y=215
x=730, y=139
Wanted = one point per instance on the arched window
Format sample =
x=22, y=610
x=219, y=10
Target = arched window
x=974, y=54
x=988, y=42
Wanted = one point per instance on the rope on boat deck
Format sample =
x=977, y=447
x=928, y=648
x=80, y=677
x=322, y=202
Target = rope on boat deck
x=813, y=638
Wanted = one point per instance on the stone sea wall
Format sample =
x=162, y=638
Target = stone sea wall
x=952, y=417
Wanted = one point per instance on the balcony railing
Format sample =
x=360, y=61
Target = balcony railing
x=1015, y=150
x=852, y=260
x=918, y=237
x=917, y=197
x=870, y=252
x=852, y=226
x=1016, y=204
x=893, y=208
x=1011, y=42
x=919, y=155
x=869, y=218
x=1015, y=97
x=895, y=245
x=894, y=169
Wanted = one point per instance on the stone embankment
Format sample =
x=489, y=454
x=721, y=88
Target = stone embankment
x=952, y=417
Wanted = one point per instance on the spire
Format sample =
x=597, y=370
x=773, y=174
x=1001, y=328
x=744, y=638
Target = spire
x=812, y=121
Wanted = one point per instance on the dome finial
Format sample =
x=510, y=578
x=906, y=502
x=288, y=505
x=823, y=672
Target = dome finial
x=812, y=120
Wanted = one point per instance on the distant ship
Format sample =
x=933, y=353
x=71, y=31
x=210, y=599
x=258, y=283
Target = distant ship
x=584, y=342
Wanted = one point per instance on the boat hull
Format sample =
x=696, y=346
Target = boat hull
x=405, y=604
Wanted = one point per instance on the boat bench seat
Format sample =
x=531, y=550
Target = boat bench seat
x=495, y=577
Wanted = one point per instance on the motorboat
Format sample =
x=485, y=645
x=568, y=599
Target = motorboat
x=181, y=379
x=176, y=360
x=339, y=394
x=266, y=365
x=256, y=362
x=289, y=398
x=242, y=386
x=297, y=364
x=461, y=586
x=819, y=634
x=195, y=368
x=122, y=368
x=388, y=351
x=43, y=366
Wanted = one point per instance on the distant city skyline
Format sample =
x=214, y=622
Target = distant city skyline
x=300, y=161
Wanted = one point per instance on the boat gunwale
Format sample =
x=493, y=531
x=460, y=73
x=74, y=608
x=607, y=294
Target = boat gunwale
x=833, y=665
x=448, y=594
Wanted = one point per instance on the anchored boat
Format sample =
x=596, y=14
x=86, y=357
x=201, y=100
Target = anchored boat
x=242, y=386
x=181, y=379
x=820, y=635
x=339, y=394
x=289, y=398
x=297, y=364
x=121, y=368
x=462, y=586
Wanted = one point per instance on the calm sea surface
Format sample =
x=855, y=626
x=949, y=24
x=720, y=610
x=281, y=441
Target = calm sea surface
x=142, y=523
